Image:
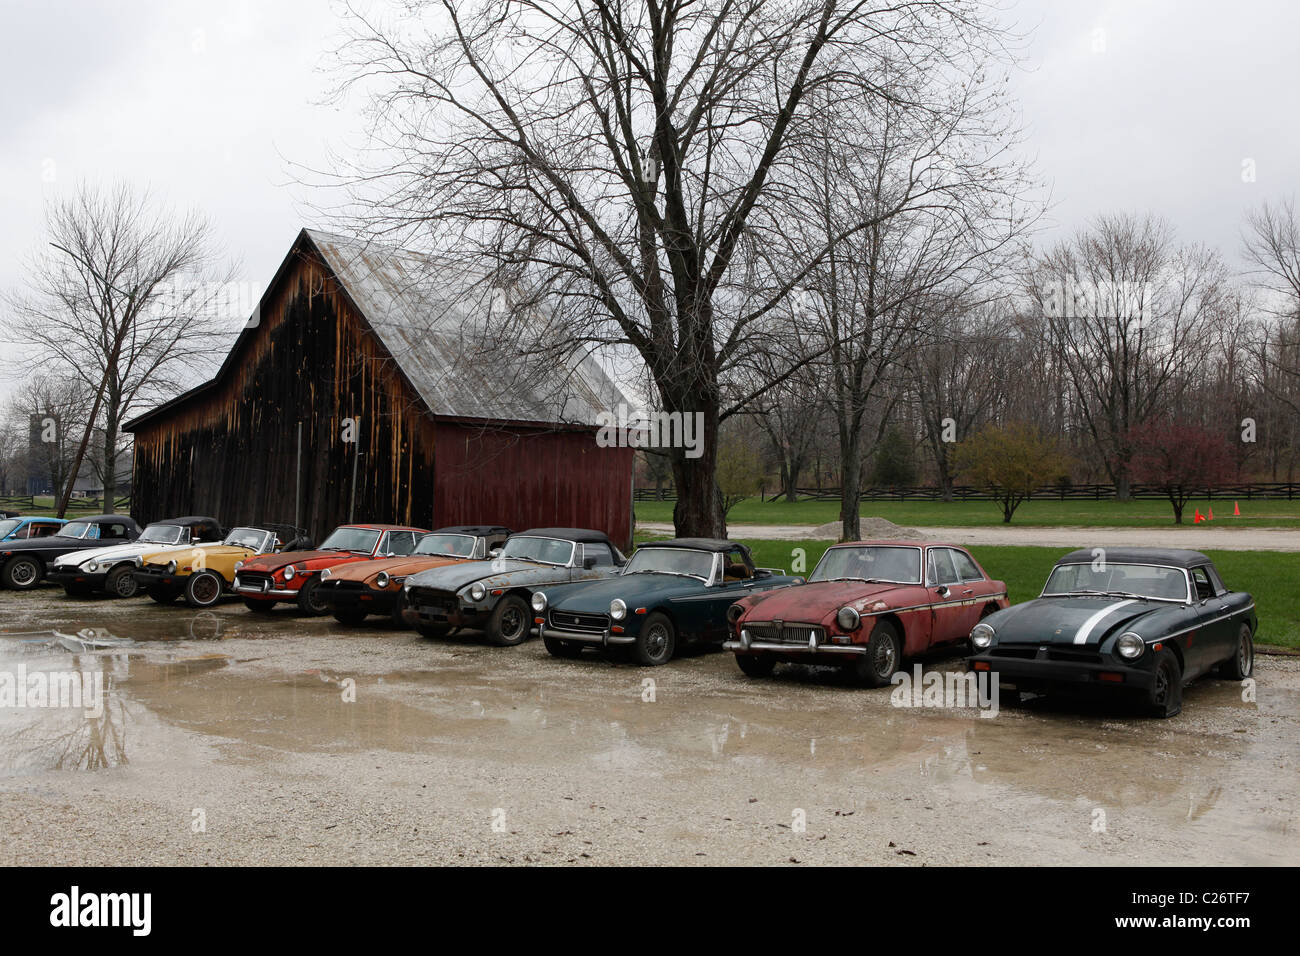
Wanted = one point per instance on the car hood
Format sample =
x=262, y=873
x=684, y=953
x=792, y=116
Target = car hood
x=274, y=562
x=54, y=542
x=1069, y=620
x=821, y=599
x=637, y=589
x=208, y=550
x=117, y=553
x=509, y=571
x=396, y=567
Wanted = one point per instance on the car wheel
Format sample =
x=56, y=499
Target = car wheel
x=756, y=665
x=261, y=607
x=429, y=629
x=310, y=600
x=510, y=621
x=883, y=658
x=350, y=616
x=203, y=589
x=1165, y=698
x=22, y=573
x=163, y=595
x=656, y=642
x=558, y=648
x=398, y=613
x=1242, y=662
x=121, y=582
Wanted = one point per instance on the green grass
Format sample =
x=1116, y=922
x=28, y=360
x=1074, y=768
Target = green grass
x=1259, y=513
x=1273, y=577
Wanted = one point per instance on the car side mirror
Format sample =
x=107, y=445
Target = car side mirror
x=588, y=563
x=941, y=590
x=494, y=553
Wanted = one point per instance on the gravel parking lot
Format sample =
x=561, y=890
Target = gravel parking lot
x=230, y=738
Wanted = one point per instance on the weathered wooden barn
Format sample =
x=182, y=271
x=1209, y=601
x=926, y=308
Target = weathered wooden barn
x=355, y=392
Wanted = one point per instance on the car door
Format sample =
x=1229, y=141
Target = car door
x=1216, y=638
x=596, y=554
x=971, y=588
x=943, y=586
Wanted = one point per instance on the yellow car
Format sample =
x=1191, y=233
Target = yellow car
x=205, y=574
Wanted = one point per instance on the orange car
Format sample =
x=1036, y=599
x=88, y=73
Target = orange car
x=353, y=591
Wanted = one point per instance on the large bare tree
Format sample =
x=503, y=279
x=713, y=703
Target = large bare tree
x=122, y=299
x=633, y=164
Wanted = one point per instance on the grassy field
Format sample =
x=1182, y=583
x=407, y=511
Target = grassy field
x=1275, y=513
x=1272, y=577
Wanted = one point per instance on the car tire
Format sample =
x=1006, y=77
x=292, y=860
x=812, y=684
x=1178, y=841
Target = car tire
x=510, y=622
x=398, y=614
x=351, y=616
x=121, y=582
x=22, y=573
x=656, y=641
x=163, y=595
x=428, y=629
x=1165, y=698
x=756, y=665
x=1242, y=662
x=204, y=589
x=561, y=648
x=309, y=598
x=883, y=658
x=259, y=607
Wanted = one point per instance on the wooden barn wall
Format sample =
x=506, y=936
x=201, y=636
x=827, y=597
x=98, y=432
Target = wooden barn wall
x=527, y=479
x=231, y=451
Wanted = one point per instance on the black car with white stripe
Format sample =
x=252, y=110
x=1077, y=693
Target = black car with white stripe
x=1137, y=621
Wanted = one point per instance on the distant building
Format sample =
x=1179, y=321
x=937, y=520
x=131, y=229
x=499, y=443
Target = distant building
x=358, y=361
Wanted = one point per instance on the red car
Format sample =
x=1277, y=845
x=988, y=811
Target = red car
x=866, y=606
x=267, y=579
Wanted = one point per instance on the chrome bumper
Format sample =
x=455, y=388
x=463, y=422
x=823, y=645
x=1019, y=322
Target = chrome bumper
x=587, y=637
x=747, y=645
x=258, y=592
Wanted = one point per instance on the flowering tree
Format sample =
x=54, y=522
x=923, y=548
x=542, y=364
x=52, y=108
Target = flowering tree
x=1179, y=459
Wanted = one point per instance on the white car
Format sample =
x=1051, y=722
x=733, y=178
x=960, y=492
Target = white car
x=110, y=570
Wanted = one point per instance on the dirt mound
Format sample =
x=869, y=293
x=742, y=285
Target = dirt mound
x=871, y=528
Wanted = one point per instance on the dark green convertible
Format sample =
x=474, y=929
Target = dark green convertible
x=669, y=593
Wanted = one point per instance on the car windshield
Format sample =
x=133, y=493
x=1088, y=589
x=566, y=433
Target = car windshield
x=544, y=550
x=1126, y=580
x=874, y=563
x=79, y=529
x=162, y=534
x=457, y=545
x=351, y=539
x=251, y=538
x=695, y=564
x=8, y=525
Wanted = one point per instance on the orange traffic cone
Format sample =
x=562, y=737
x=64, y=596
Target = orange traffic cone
x=1211, y=515
x=1236, y=509
x=1199, y=517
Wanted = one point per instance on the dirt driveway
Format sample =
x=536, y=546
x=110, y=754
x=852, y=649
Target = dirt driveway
x=229, y=738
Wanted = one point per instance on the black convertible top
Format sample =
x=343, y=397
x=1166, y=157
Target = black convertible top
x=95, y=519
x=695, y=544
x=1164, y=557
x=585, y=535
x=478, y=530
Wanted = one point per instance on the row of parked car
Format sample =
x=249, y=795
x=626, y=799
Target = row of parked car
x=1139, y=620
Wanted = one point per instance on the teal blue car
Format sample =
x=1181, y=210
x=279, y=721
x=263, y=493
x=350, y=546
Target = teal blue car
x=668, y=595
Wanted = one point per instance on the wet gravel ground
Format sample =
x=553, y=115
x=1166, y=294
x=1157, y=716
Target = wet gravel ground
x=230, y=738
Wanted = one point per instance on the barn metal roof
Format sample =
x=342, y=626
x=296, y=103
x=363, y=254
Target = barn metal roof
x=429, y=316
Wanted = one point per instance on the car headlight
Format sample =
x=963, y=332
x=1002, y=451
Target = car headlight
x=848, y=618
x=239, y=565
x=138, y=561
x=539, y=601
x=171, y=567
x=289, y=572
x=477, y=592
x=381, y=580
x=92, y=567
x=326, y=574
x=734, y=612
x=1130, y=646
x=981, y=635
x=617, y=609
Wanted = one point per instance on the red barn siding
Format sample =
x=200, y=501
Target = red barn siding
x=524, y=478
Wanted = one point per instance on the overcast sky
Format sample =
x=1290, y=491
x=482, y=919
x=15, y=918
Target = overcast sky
x=1128, y=106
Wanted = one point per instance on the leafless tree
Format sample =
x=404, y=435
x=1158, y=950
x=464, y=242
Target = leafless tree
x=1271, y=243
x=54, y=404
x=632, y=164
x=123, y=300
x=1131, y=314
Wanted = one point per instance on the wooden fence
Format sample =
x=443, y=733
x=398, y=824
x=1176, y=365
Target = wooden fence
x=1288, y=490
x=29, y=504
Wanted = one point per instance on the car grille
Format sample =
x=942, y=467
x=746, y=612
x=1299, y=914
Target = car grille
x=257, y=580
x=347, y=585
x=1074, y=655
x=591, y=623
x=785, y=633
x=443, y=602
